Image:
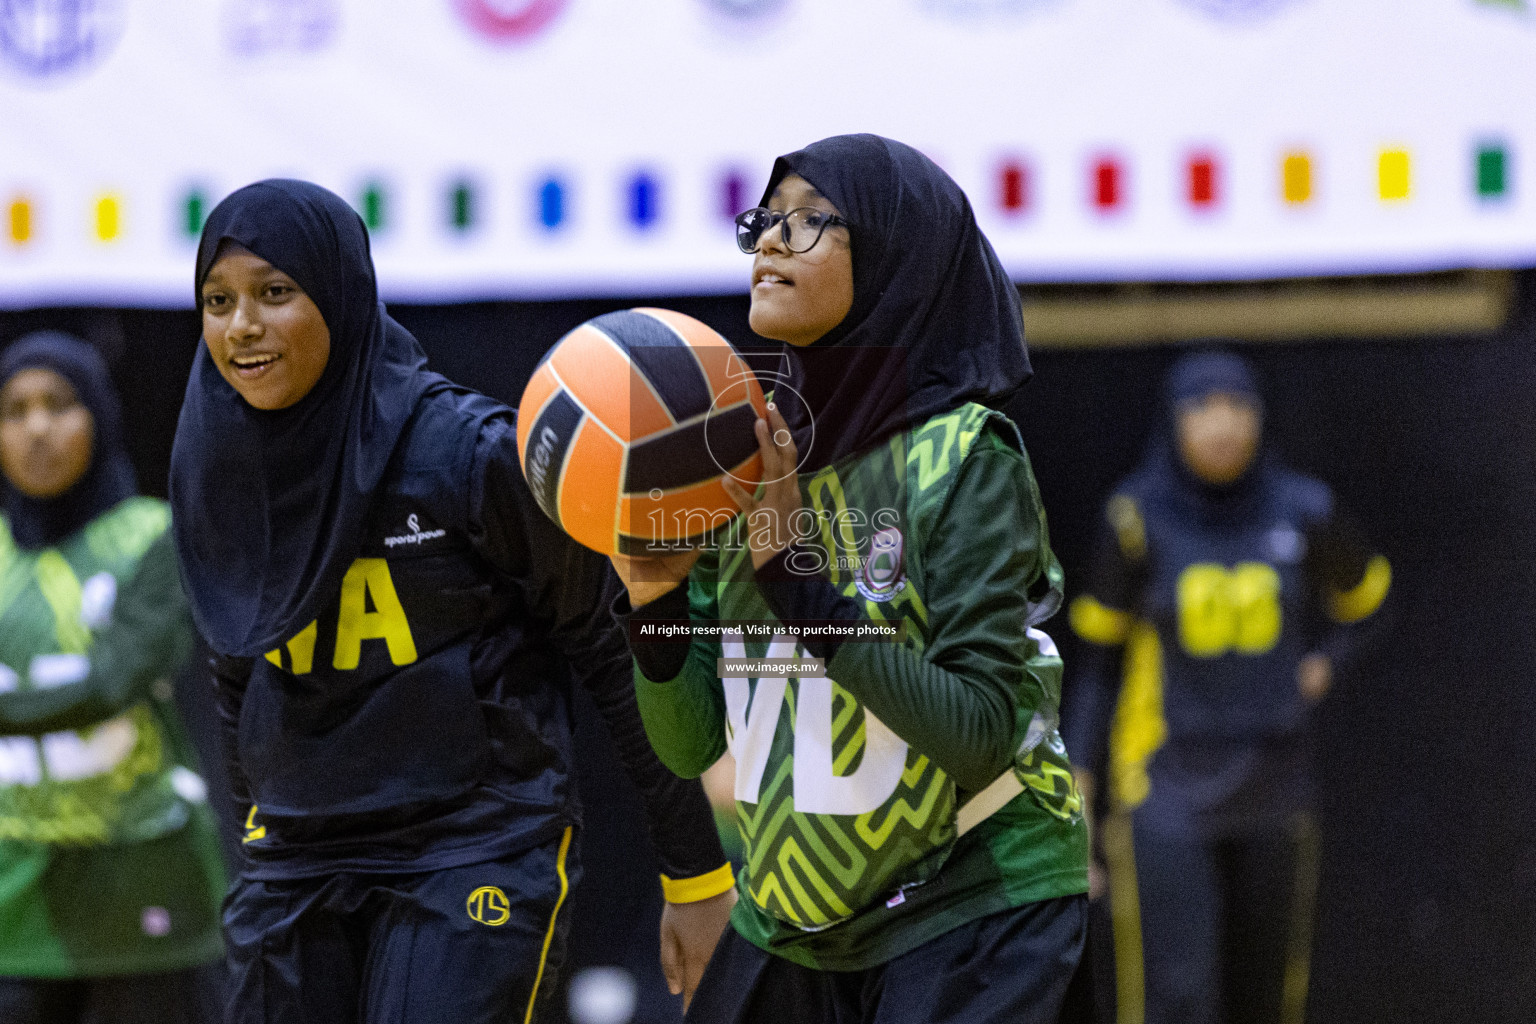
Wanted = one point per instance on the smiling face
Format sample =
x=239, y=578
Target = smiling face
x=46, y=435
x=264, y=333
x=1219, y=436
x=797, y=297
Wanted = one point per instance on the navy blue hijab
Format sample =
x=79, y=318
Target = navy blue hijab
x=1195, y=376
x=42, y=522
x=269, y=505
x=935, y=321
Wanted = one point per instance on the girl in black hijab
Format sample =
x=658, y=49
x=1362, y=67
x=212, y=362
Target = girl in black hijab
x=915, y=847
x=1226, y=592
x=110, y=876
x=107, y=479
x=396, y=626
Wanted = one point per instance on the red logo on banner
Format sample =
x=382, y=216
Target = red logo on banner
x=509, y=21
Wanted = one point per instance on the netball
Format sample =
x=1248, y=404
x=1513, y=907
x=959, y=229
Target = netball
x=628, y=425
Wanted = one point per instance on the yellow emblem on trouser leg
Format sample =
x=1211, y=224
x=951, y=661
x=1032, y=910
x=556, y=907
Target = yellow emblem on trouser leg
x=489, y=906
x=253, y=831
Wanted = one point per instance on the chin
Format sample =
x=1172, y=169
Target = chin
x=765, y=328
x=263, y=401
x=1231, y=476
x=776, y=329
x=44, y=490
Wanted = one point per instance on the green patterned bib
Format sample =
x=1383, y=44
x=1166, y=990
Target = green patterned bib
x=836, y=810
x=109, y=783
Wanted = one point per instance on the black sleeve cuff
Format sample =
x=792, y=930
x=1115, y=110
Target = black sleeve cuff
x=807, y=598
x=230, y=677
x=659, y=660
x=687, y=841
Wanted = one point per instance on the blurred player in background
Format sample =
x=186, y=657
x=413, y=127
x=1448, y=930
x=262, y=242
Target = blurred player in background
x=879, y=885
x=396, y=624
x=1225, y=596
x=110, y=878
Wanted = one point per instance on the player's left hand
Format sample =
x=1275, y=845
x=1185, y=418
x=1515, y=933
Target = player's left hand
x=1315, y=677
x=769, y=517
x=689, y=933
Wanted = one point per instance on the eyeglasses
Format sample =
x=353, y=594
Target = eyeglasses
x=802, y=227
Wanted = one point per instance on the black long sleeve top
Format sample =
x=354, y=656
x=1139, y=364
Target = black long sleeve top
x=422, y=720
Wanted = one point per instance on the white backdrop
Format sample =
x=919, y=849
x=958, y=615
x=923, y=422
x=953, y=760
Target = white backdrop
x=112, y=112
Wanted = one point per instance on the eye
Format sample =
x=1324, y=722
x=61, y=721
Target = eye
x=278, y=290
x=214, y=300
x=814, y=218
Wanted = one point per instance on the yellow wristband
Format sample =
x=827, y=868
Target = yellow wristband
x=699, y=887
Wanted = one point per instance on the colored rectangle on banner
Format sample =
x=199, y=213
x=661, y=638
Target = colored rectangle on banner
x=1492, y=171
x=1296, y=177
x=1393, y=174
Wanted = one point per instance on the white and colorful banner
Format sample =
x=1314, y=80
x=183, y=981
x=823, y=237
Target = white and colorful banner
x=537, y=148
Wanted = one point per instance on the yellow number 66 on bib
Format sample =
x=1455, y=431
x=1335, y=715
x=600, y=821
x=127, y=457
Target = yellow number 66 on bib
x=1223, y=609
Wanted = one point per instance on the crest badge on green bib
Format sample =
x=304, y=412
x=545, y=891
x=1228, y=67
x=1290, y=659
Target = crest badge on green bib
x=883, y=575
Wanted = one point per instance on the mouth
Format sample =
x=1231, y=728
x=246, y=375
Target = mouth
x=253, y=365
x=766, y=278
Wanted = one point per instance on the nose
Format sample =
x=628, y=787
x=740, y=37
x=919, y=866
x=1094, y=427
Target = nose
x=38, y=422
x=772, y=240
x=245, y=323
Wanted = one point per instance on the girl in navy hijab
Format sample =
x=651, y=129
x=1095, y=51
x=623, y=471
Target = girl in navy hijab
x=915, y=847
x=396, y=627
x=1226, y=592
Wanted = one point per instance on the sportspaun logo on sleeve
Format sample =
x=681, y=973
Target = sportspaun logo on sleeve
x=836, y=810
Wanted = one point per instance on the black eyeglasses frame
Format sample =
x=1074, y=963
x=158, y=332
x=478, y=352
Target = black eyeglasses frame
x=782, y=220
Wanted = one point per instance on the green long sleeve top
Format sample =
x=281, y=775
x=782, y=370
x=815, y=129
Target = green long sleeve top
x=859, y=863
x=108, y=858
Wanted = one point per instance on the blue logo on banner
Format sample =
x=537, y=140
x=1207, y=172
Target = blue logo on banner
x=46, y=38
x=1239, y=10
x=273, y=26
x=747, y=8
x=983, y=8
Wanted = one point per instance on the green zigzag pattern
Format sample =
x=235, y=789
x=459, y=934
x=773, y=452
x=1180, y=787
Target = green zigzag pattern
x=1051, y=783
x=815, y=869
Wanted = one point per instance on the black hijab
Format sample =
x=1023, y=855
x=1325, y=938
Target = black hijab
x=935, y=321
x=1193, y=377
x=42, y=522
x=269, y=506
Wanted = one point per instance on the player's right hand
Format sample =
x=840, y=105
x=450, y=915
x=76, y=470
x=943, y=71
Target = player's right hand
x=647, y=578
x=1098, y=879
x=1314, y=676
